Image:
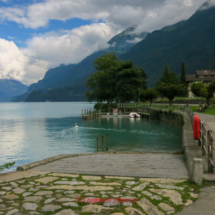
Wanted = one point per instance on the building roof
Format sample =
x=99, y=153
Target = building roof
x=195, y=78
x=205, y=72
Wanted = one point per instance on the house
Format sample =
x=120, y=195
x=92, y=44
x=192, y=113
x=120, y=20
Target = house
x=206, y=76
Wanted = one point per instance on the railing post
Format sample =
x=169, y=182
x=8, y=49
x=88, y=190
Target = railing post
x=204, y=142
x=210, y=152
x=200, y=139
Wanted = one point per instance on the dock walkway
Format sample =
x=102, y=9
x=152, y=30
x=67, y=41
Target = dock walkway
x=119, y=164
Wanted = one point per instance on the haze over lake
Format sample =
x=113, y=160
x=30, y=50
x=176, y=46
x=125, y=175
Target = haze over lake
x=33, y=131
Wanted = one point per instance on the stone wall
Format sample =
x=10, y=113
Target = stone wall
x=168, y=116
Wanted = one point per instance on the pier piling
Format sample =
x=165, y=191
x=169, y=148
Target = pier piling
x=97, y=144
x=106, y=141
x=102, y=143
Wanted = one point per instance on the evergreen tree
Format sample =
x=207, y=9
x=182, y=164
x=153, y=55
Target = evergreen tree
x=183, y=74
x=168, y=77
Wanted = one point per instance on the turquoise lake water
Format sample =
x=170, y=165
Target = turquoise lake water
x=33, y=131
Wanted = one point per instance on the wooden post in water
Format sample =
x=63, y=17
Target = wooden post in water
x=97, y=144
x=106, y=141
x=82, y=112
x=103, y=143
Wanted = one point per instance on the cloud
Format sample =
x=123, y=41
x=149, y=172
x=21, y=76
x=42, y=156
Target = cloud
x=39, y=14
x=136, y=40
x=171, y=12
x=12, y=61
x=123, y=13
x=208, y=4
x=46, y=51
x=71, y=46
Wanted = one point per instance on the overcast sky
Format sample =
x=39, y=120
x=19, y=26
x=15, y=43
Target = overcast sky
x=36, y=35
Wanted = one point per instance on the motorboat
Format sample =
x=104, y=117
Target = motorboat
x=134, y=115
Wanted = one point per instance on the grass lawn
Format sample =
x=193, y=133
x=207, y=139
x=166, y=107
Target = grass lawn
x=210, y=111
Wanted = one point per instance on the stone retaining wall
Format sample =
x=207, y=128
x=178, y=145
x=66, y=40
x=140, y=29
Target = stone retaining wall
x=190, y=146
x=170, y=117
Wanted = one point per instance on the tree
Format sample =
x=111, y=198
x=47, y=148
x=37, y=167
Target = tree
x=149, y=94
x=129, y=81
x=101, y=83
x=201, y=90
x=170, y=91
x=183, y=74
x=115, y=80
x=168, y=77
x=105, y=62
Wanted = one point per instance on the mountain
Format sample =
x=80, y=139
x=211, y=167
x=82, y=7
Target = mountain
x=191, y=41
x=124, y=41
x=10, y=88
x=65, y=77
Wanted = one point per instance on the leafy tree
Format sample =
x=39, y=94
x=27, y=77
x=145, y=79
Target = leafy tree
x=149, y=94
x=101, y=87
x=205, y=91
x=105, y=62
x=115, y=80
x=170, y=91
x=129, y=81
x=6, y=166
x=101, y=83
x=183, y=74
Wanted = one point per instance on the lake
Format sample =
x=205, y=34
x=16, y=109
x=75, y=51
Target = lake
x=33, y=131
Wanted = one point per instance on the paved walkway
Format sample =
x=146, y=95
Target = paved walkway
x=209, y=120
x=72, y=194
x=204, y=205
x=135, y=165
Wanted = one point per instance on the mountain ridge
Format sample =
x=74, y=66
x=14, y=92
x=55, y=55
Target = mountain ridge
x=189, y=41
x=10, y=88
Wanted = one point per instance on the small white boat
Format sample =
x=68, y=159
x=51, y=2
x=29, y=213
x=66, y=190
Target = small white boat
x=76, y=125
x=134, y=115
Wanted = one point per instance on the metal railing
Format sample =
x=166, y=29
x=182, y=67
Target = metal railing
x=205, y=141
x=155, y=106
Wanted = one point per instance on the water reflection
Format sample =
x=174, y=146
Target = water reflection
x=27, y=136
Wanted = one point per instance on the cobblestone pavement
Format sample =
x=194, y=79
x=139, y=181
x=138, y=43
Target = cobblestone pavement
x=133, y=165
x=69, y=194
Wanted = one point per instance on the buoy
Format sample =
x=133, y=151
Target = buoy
x=76, y=125
x=196, y=127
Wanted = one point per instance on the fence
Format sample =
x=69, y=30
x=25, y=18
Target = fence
x=90, y=114
x=155, y=106
x=205, y=141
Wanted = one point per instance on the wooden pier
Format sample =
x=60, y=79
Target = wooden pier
x=90, y=114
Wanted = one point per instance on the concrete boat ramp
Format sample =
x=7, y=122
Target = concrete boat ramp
x=139, y=165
